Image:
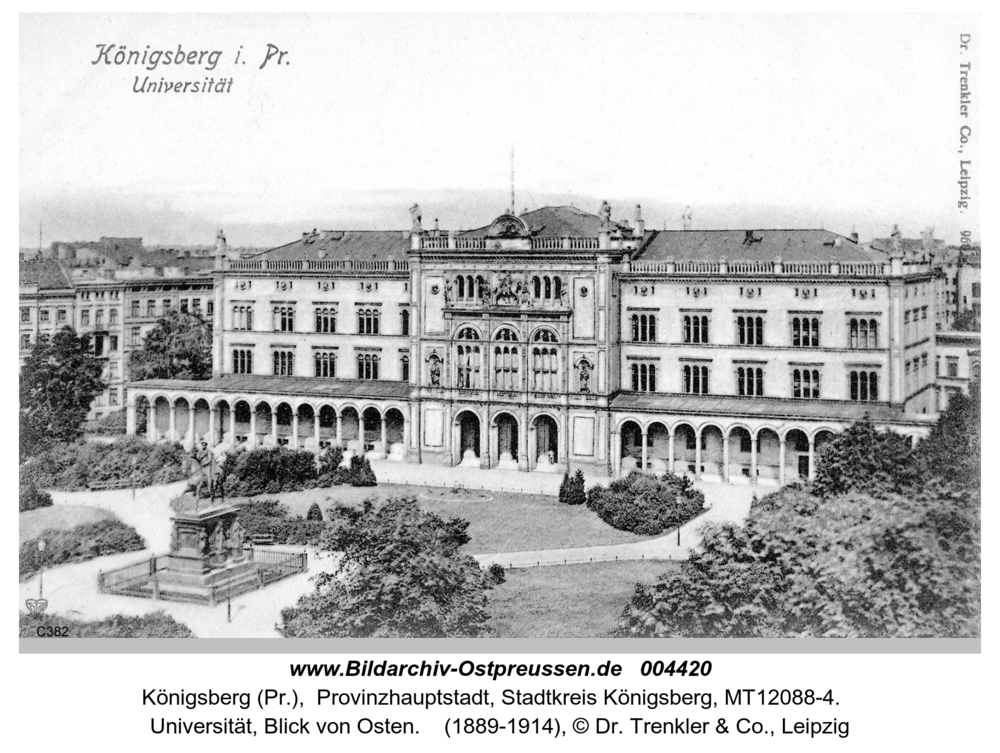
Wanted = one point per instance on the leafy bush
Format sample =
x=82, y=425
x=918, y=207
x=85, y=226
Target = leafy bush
x=646, y=505
x=73, y=466
x=314, y=512
x=268, y=517
x=362, y=473
x=851, y=566
x=79, y=544
x=497, y=573
x=266, y=470
x=31, y=498
x=155, y=625
x=401, y=575
x=113, y=424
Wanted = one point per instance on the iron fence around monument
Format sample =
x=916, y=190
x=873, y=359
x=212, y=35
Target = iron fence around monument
x=143, y=579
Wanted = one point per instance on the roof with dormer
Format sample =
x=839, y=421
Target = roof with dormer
x=750, y=245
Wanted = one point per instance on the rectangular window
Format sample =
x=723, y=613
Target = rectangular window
x=952, y=367
x=136, y=337
x=43, y=315
x=210, y=307
x=976, y=290
x=25, y=314
x=99, y=317
x=135, y=309
x=184, y=305
x=166, y=306
x=85, y=318
x=113, y=316
x=25, y=342
x=113, y=397
x=114, y=343
x=61, y=315
x=151, y=307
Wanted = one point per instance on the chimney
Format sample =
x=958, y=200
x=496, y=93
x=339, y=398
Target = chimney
x=640, y=224
x=854, y=237
x=437, y=229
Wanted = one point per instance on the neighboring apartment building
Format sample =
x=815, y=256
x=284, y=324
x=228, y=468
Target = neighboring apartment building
x=959, y=364
x=959, y=283
x=561, y=339
x=47, y=302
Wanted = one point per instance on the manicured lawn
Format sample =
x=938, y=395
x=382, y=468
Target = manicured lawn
x=568, y=601
x=61, y=517
x=508, y=523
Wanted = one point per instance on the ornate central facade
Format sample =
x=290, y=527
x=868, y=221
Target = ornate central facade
x=561, y=339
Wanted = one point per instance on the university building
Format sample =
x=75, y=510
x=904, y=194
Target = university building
x=561, y=339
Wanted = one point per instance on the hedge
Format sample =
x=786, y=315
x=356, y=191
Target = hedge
x=268, y=517
x=73, y=466
x=31, y=498
x=645, y=504
x=79, y=544
x=267, y=470
x=155, y=625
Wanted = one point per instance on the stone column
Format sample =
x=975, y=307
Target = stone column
x=616, y=454
x=406, y=435
x=725, y=457
x=532, y=448
x=781, y=462
x=697, y=454
x=253, y=427
x=340, y=429
x=295, y=429
x=274, y=426
x=130, y=418
x=494, y=456
x=190, y=434
x=172, y=430
x=232, y=425
x=316, y=427
x=670, y=450
x=812, y=459
x=645, y=451
x=385, y=449
x=212, y=423
x=753, y=459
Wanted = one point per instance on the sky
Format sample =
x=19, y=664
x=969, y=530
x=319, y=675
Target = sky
x=844, y=122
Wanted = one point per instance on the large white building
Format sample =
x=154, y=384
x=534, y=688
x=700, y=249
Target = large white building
x=558, y=339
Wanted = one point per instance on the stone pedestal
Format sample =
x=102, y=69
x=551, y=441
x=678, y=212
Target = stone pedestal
x=205, y=540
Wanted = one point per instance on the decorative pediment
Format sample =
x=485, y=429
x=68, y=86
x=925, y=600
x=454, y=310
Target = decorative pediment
x=508, y=226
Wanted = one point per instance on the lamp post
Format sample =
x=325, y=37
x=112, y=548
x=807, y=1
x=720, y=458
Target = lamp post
x=41, y=566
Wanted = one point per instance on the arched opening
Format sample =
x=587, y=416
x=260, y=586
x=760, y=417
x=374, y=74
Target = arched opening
x=631, y=447
x=222, y=422
x=350, y=430
x=546, y=442
x=507, y=444
x=468, y=439
x=796, y=455
x=395, y=435
x=243, y=414
x=142, y=416
x=372, y=422
x=263, y=421
x=307, y=426
x=657, y=448
x=283, y=415
x=182, y=421
x=327, y=426
x=768, y=457
x=161, y=419
x=712, y=455
x=202, y=421
x=685, y=450
x=740, y=455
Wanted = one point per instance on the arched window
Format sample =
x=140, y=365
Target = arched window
x=242, y=361
x=506, y=367
x=325, y=362
x=326, y=319
x=548, y=287
x=537, y=284
x=545, y=336
x=242, y=317
x=284, y=318
x=368, y=321
x=750, y=330
x=461, y=286
x=635, y=328
x=405, y=322
x=404, y=368
x=506, y=335
x=695, y=329
x=975, y=371
x=545, y=368
x=864, y=386
x=468, y=360
x=696, y=380
x=284, y=363
x=557, y=288
x=368, y=366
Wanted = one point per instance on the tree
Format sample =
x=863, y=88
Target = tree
x=862, y=458
x=401, y=575
x=314, y=512
x=362, y=473
x=178, y=347
x=576, y=491
x=966, y=321
x=563, y=488
x=58, y=382
x=952, y=450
